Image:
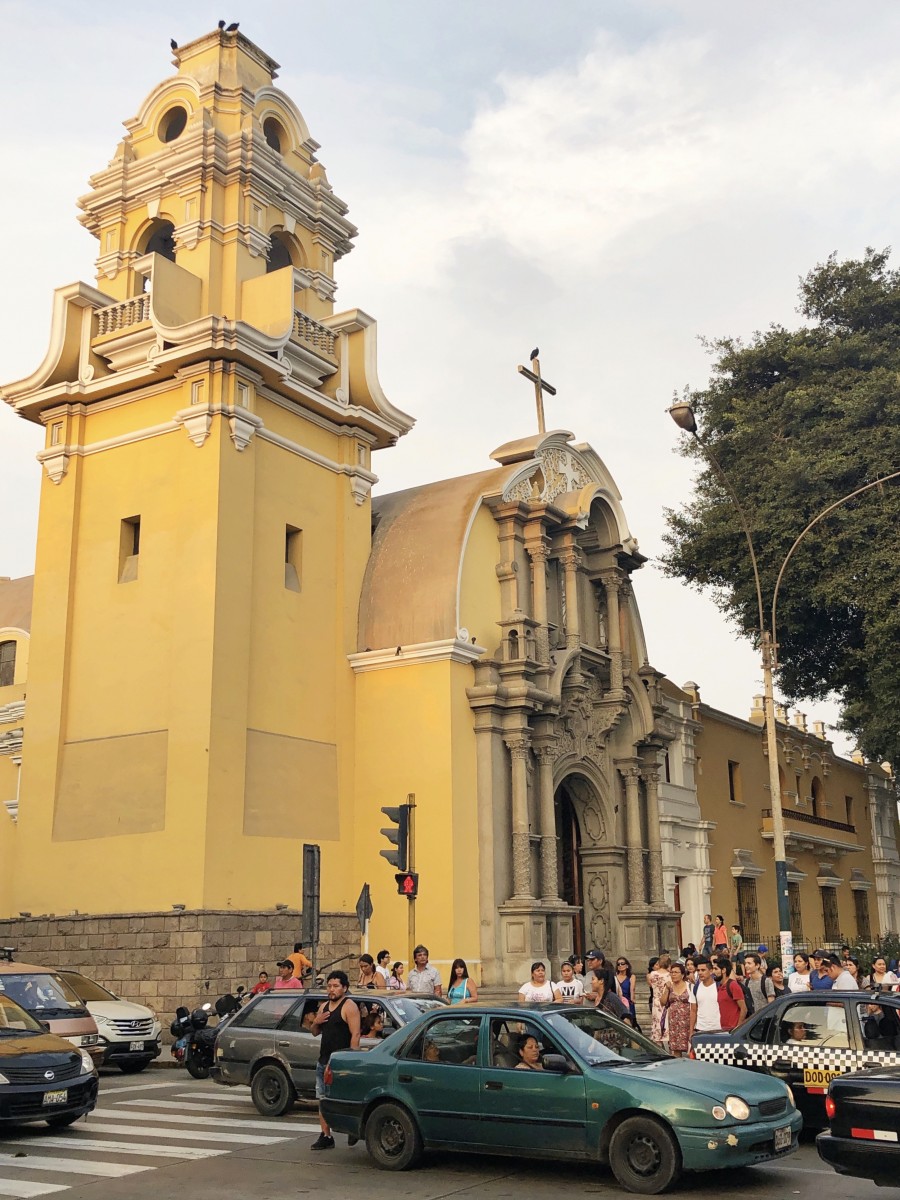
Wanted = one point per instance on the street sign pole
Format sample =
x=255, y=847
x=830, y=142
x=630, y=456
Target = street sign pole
x=309, y=930
x=411, y=866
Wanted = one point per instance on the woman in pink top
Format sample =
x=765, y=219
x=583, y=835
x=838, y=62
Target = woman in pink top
x=720, y=936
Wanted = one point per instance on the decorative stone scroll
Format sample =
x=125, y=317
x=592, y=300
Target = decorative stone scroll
x=559, y=471
x=585, y=720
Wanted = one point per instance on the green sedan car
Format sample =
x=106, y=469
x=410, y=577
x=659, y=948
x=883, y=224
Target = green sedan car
x=555, y=1082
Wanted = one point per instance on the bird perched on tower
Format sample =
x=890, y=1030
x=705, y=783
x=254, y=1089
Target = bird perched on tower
x=535, y=352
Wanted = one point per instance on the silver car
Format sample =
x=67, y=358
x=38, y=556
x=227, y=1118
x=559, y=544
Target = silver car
x=268, y=1044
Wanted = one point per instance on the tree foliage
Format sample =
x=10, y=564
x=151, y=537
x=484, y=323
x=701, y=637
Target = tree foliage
x=797, y=419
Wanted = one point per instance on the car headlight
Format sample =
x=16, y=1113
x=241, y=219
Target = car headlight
x=790, y=1092
x=737, y=1108
x=87, y=1063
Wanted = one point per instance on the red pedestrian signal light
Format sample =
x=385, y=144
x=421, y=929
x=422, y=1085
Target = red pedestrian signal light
x=407, y=884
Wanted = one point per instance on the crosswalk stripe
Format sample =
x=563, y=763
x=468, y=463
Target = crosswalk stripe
x=23, y=1188
x=139, y=1087
x=77, y=1166
x=242, y=1097
x=195, y=1135
x=190, y=1119
x=77, y=1142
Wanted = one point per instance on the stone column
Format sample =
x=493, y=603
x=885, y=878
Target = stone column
x=634, y=849
x=546, y=756
x=538, y=554
x=654, y=845
x=518, y=746
x=571, y=561
x=612, y=582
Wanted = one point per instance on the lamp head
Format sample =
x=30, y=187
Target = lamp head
x=683, y=415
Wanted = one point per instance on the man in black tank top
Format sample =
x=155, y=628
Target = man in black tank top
x=337, y=1022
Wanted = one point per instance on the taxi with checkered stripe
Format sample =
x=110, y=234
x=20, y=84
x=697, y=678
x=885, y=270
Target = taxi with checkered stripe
x=809, y=1038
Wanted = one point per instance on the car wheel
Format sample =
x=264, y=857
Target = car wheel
x=644, y=1156
x=132, y=1068
x=392, y=1138
x=272, y=1092
x=63, y=1122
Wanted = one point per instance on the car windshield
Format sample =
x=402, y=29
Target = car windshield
x=44, y=995
x=409, y=1009
x=15, y=1020
x=601, y=1040
x=86, y=989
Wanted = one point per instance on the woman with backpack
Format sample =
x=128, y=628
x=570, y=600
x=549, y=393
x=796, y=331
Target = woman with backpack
x=660, y=980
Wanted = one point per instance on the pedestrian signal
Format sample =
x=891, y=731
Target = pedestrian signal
x=407, y=884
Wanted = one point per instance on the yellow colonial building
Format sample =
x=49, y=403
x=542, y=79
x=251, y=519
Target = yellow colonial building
x=230, y=650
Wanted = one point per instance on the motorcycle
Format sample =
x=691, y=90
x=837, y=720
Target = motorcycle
x=195, y=1040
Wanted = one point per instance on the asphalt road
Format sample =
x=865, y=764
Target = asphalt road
x=164, y=1136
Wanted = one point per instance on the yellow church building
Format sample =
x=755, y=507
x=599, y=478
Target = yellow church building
x=230, y=650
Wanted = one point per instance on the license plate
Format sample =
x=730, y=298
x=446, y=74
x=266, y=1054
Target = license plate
x=783, y=1138
x=135, y=1045
x=59, y=1097
x=817, y=1079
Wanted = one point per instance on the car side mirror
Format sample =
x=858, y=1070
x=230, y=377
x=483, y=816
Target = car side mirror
x=45, y=1025
x=557, y=1063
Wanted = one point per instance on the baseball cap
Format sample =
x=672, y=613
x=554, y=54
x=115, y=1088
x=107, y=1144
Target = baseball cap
x=818, y=954
x=595, y=954
x=285, y=962
x=762, y=949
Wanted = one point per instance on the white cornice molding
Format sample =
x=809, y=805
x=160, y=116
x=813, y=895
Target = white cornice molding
x=448, y=650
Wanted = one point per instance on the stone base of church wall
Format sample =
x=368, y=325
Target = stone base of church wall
x=164, y=959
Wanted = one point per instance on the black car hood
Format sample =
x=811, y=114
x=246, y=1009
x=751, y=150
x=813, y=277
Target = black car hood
x=34, y=1049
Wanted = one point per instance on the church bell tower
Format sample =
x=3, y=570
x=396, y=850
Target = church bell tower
x=205, y=519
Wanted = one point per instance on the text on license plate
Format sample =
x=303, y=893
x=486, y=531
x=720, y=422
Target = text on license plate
x=135, y=1045
x=816, y=1078
x=57, y=1097
x=783, y=1138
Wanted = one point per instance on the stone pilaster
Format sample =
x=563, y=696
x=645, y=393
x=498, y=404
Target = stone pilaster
x=612, y=583
x=538, y=553
x=571, y=561
x=519, y=748
x=654, y=843
x=634, y=852
x=546, y=755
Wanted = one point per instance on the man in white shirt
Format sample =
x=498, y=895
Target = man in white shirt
x=423, y=978
x=383, y=965
x=704, y=999
x=571, y=990
x=841, y=979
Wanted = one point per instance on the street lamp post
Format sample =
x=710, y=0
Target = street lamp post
x=683, y=415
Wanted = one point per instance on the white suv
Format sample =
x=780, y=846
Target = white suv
x=129, y=1032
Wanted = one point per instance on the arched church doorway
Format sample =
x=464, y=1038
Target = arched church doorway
x=570, y=879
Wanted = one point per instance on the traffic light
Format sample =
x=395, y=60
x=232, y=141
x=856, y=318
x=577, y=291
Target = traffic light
x=407, y=884
x=398, y=835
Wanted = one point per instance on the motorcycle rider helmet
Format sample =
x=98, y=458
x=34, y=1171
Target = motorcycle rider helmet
x=200, y=1018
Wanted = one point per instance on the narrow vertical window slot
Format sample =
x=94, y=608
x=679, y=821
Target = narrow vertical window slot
x=292, y=557
x=129, y=549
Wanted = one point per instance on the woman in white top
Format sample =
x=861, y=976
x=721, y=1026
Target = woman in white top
x=798, y=980
x=881, y=977
x=539, y=990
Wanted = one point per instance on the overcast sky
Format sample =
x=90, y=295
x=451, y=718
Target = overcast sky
x=608, y=181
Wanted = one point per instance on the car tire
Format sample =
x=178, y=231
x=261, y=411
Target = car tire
x=644, y=1156
x=392, y=1138
x=63, y=1122
x=132, y=1068
x=272, y=1092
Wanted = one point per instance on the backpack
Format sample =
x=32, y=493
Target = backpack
x=748, y=995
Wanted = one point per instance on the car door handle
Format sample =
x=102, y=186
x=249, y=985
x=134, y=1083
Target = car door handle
x=404, y=1078
x=284, y=1043
x=493, y=1085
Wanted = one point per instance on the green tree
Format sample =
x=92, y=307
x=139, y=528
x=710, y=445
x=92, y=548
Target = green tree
x=797, y=419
